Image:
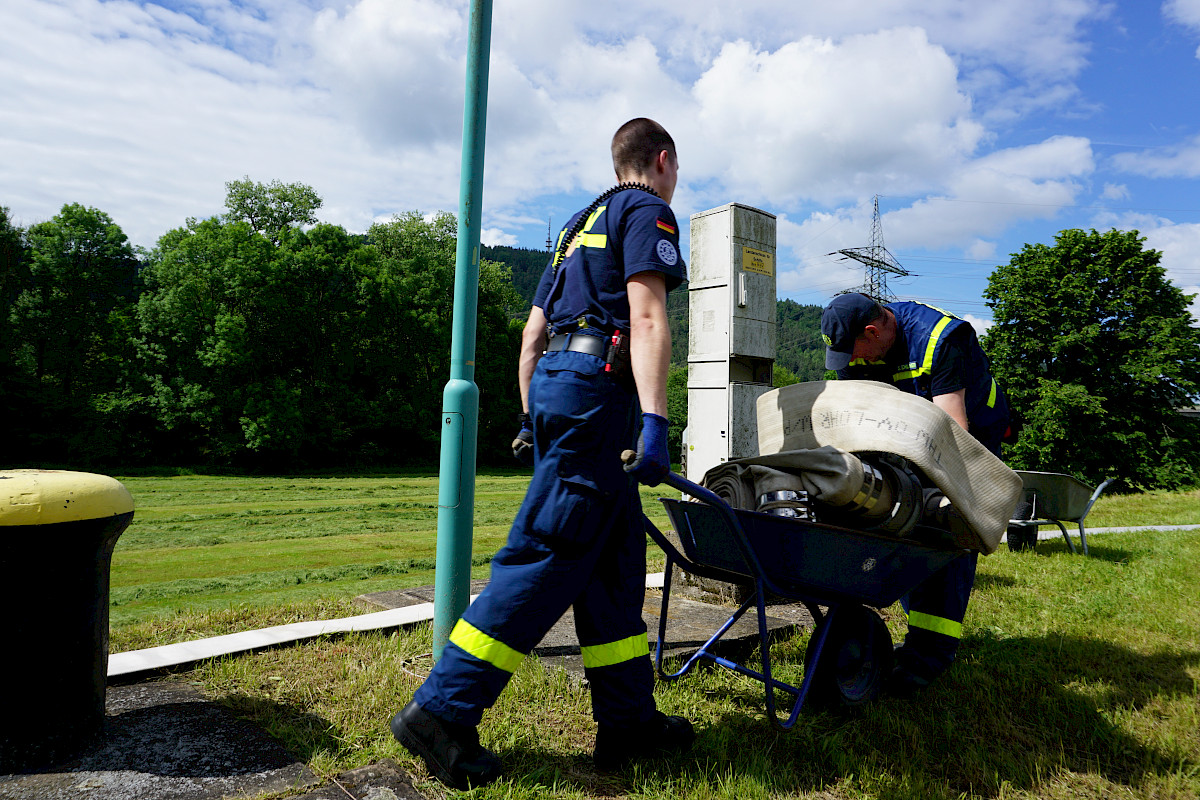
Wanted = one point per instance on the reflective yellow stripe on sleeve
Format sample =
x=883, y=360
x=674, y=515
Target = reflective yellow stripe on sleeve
x=928, y=622
x=605, y=655
x=926, y=367
x=992, y=395
x=484, y=647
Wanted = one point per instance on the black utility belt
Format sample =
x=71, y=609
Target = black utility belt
x=613, y=349
x=579, y=343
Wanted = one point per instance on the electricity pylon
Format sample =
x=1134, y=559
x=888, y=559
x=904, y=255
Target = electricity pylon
x=879, y=263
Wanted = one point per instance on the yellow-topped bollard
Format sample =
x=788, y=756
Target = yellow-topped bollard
x=59, y=529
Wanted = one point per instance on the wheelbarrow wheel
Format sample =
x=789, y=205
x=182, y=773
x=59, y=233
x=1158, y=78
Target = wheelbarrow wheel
x=854, y=662
x=1022, y=537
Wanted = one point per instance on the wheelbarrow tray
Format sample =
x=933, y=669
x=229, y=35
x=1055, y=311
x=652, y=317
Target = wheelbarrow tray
x=806, y=560
x=834, y=572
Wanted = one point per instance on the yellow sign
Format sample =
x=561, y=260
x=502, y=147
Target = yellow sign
x=758, y=261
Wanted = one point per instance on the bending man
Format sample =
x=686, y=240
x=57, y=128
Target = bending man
x=935, y=355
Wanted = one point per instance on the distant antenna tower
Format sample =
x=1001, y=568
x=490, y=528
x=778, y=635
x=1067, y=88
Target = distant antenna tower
x=549, y=239
x=877, y=261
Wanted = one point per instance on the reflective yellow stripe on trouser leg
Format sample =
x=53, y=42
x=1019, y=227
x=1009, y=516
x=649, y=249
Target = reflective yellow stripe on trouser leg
x=605, y=655
x=485, y=648
x=928, y=622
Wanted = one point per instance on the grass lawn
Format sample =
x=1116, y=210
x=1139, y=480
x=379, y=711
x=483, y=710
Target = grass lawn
x=1078, y=677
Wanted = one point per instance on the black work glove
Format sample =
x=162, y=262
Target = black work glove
x=651, y=462
x=522, y=446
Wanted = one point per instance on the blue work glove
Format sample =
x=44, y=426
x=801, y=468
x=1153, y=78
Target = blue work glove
x=522, y=446
x=651, y=463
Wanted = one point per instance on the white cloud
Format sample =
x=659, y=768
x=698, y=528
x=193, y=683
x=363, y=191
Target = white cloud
x=146, y=114
x=780, y=105
x=978, y=323
x=1177, y=161
x=1114, y=191
x=397, y=67
x=493, y=237
x=1180, y=246
x=804, y=248
x=988, y=195
x=980, y=250
x=1186, y=13
x=829, y=120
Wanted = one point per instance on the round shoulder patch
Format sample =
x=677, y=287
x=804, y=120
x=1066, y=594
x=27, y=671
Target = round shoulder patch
x=667, y=253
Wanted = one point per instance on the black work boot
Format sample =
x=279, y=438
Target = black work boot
x=662, y=735
x=451, y=752
x=909, y=674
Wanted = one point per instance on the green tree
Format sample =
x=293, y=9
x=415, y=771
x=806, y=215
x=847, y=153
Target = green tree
x=69, y=326
x=252, y=346
x=204, y=293
x=19, y=405
x=782, y=376
x=1097, y=351
x=14, y=277
x=271, y=208
x=411, y=298
x=677, y=410
x=82, y=269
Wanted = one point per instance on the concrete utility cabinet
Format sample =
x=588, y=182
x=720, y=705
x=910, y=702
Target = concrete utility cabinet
x=731, y=332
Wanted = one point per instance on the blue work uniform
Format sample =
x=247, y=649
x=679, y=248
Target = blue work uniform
x=937, y=353
x=579, y=538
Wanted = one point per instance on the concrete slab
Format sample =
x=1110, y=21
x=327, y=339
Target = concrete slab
x=405, y=598
x=382, y=781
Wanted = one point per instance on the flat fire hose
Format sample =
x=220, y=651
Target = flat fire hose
x=866, y=416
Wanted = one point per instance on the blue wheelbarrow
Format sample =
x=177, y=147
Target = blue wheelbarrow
x=838, y=574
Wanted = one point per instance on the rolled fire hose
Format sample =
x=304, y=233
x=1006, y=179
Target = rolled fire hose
x=871, y=417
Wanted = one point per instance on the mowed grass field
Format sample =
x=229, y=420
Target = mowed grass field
x=1078, y=678
x=210, y=543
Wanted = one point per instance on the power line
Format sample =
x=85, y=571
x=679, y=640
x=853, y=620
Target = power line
x=1053, y=205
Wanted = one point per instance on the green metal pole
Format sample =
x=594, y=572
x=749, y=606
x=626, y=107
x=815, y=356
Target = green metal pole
x=460, y=399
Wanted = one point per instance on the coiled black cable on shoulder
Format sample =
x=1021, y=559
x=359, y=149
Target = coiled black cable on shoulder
x=564, y=244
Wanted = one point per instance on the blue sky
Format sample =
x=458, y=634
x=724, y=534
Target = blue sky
x=982, y=127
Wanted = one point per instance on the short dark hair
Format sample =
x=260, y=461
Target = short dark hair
x=636, y=145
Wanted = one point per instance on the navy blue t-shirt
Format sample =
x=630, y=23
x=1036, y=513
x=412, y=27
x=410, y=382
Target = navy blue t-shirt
x=632, y=232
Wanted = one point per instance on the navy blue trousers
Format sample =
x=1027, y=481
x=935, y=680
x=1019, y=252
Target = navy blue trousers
x=938, y=606
x=578, y=541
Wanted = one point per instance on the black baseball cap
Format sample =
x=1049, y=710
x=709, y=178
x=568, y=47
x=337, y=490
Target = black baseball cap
x=843, y=320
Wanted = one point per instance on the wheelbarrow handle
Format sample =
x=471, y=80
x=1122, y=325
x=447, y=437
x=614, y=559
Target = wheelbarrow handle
x=676, y=481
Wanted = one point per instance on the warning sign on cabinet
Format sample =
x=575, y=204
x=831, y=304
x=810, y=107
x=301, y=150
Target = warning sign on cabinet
x=758, y=261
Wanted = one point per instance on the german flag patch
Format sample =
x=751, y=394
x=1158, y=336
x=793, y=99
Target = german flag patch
x=663, y=225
